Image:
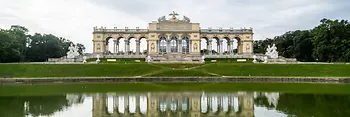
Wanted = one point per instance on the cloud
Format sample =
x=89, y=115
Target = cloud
x=74, y=19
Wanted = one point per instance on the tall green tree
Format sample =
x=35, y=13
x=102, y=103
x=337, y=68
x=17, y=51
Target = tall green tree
x=332, y=41
x=10, y=48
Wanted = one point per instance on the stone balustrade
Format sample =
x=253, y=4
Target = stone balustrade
x=220, y=30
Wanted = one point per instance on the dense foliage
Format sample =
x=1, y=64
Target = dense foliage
x=327, y=42
x=16, y=45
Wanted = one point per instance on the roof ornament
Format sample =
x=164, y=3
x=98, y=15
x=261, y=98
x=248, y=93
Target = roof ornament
x=173, y=14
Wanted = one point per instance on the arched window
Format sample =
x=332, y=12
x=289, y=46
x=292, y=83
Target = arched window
x=185, y=44
x=162, y=44
x=173, y=44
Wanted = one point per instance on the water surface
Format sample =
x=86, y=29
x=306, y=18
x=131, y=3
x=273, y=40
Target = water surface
x=170, y=103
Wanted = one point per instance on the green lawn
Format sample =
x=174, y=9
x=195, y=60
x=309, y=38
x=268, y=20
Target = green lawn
x=144, y=69
x=54, y=89
x=310, y=70
x=76, y=70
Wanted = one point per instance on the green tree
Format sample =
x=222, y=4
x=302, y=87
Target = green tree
x=81, y=48
x=20, y=33
x=10, y=48
x=332, y=41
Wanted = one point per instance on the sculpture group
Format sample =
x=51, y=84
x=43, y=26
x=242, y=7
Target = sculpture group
x=271, y=52
x=73, y=52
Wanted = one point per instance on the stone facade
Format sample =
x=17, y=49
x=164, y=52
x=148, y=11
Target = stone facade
x=173, y=36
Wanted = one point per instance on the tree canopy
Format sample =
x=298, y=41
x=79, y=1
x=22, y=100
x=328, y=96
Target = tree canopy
x=16, y=45
x=327, y=42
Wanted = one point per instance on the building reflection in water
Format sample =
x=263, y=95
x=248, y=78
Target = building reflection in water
x=171, y=104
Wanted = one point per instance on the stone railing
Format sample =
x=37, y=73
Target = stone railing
x=230, y=31
x=115, y=30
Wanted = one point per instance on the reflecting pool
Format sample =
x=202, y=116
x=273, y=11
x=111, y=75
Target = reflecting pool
x=177, y=104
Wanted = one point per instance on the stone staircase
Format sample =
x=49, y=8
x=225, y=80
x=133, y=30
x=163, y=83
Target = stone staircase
x=176, y=58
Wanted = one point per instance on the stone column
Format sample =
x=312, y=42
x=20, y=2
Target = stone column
x=180, y=45
x=126, y=47
x=147, y=49
x=209, y=46
x=221, y=47
x=218, y=46
x=137, y=47
x=190, y=46
x=117, y=48
x=168, y=46
x=229, y=48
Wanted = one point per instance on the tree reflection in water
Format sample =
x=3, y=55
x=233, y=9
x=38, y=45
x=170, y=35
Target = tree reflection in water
x=21, y=106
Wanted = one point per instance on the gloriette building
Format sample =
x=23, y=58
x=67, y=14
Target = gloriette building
x=174, y=38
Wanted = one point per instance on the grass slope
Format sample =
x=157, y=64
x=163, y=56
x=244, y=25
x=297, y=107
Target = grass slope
x=311, y=70
x=76, y=70
x=144, y=69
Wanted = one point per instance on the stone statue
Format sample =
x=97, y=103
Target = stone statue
x=161, y=19
x=203, y=59
x=173, y=15
x=274, y=53
x=84, y=59
x=152, y=47
x=254, y=57
x=268, y=50
x=186, y=19
x=265, y=59
x=73, y=51
x=148, y=59
x=98, y=59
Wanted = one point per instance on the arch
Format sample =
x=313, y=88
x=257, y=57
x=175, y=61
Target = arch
x=216, y=44
x=143, y=45
x=173, y=43
x=108, y=46
x=185, y=41
x=162, y=44
x=236, y=45
x=132, y=45
x=121, y=47
x=204, y=45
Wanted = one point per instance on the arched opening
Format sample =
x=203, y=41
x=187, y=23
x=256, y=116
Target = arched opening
x=162, y=44
x=227, y=44
x=215, y=45
x=236, y=45
x=204, y=46
x=122, y=46
x=117, y=45
x=143, y=45
x=223, y=46
x=109, y=45
x=173, y=44
x=132, y=45
x=185, y=44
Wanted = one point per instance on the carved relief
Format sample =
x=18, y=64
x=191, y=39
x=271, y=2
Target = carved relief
x=195, y=47
x=152, y=47
x=247, y=48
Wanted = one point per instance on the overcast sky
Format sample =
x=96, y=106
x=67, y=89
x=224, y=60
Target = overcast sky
x=75, y=19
